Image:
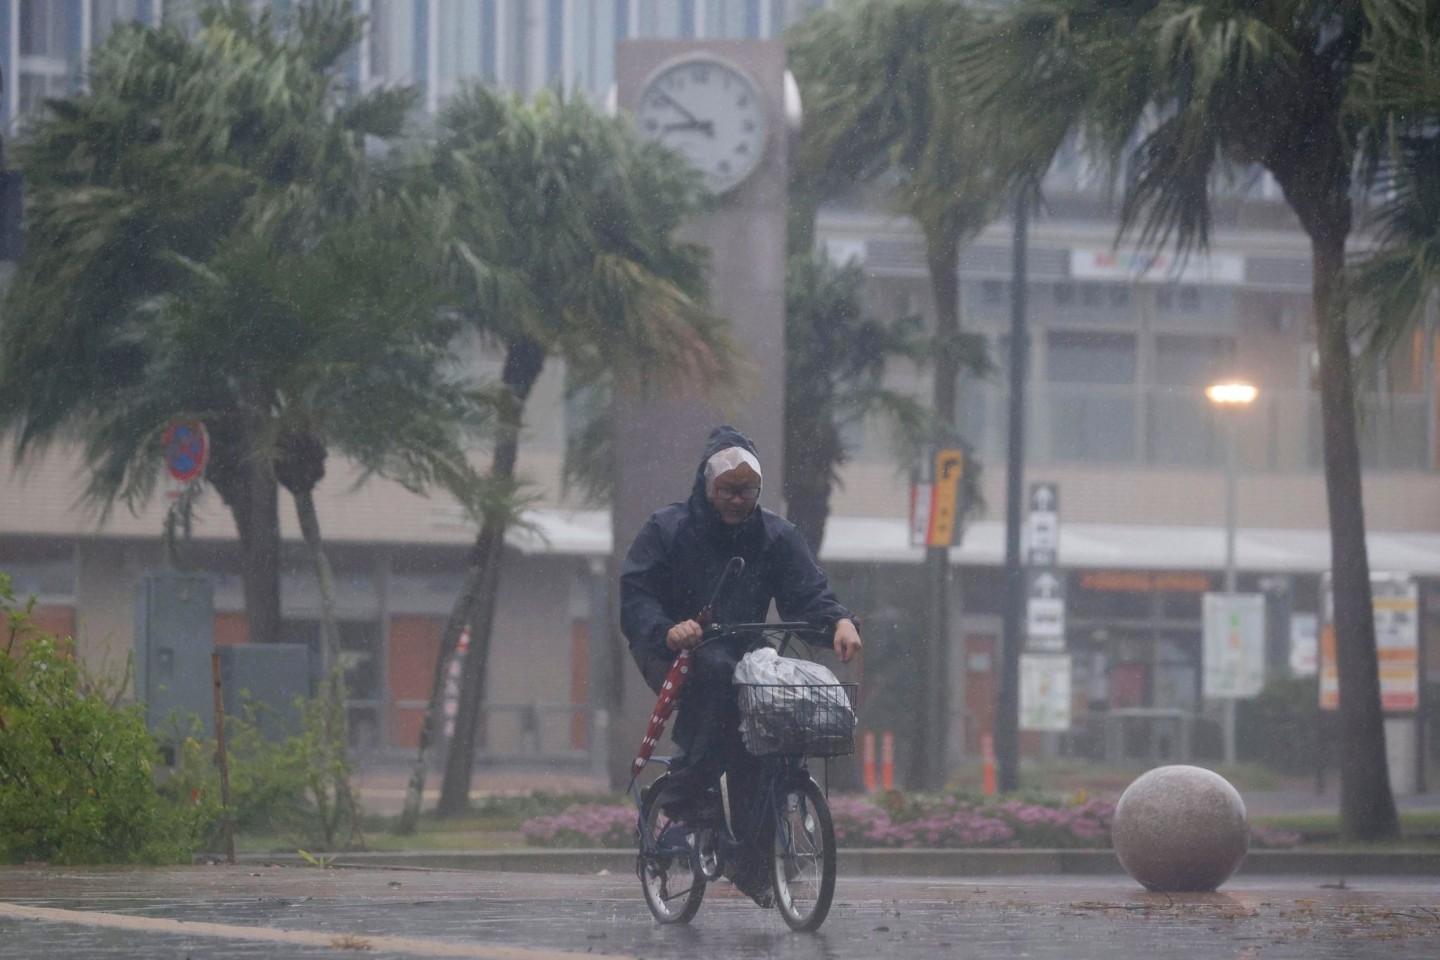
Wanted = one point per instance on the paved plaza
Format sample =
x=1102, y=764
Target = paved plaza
x=222, y=912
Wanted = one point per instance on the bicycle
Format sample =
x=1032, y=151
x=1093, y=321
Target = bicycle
x=676, y=859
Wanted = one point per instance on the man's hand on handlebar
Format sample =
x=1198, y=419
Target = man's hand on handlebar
x=847, y=640
x=684, y=635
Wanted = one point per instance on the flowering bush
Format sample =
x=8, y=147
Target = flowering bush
x=895, y=820
x=587, y=825
x=948, y=822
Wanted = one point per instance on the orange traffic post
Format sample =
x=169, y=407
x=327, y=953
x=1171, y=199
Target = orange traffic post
x=887, y=760
x=987, y=751
x=868, y=754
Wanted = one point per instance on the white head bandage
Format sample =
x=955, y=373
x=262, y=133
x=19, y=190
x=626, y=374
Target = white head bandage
x=725, y=461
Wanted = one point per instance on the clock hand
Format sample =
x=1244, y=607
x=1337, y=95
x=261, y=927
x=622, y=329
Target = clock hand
x=681, y=107
x=707, y=126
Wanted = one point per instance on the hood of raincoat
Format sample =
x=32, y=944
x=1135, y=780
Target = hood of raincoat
x=721, y=437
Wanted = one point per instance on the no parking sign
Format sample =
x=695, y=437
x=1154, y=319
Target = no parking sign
x=187, y=448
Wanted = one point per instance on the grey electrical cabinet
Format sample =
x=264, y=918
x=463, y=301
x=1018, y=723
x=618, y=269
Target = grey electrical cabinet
x=269, y=679
x=174, y=637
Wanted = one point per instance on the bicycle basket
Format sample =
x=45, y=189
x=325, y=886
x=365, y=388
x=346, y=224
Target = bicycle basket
x=812, y=720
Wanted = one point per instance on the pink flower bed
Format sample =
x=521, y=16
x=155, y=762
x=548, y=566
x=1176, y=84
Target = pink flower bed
x=896, y=821
x=590, y=825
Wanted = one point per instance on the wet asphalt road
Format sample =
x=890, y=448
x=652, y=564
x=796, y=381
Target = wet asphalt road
x=307, y=912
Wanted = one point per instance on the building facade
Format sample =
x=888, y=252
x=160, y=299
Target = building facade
x=1122, y=346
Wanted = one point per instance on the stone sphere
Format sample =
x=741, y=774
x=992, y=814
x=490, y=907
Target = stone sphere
x=1180, y=828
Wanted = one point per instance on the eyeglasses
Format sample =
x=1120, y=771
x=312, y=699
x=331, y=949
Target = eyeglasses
x=729, y=493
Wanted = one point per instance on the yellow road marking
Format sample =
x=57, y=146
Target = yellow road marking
x=228, y=931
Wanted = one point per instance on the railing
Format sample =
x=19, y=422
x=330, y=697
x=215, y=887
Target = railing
x=1180, y=428
x=522, y=732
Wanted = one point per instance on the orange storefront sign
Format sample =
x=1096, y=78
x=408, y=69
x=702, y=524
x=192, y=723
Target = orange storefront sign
x=1140, y=581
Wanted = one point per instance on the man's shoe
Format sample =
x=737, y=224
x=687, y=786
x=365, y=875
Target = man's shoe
x=755, y=884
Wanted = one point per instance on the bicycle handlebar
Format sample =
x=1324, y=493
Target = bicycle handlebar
x=722, y=630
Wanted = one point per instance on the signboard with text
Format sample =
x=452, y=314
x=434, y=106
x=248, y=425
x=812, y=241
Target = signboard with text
x=1396, y=601
x=1045, y=609
x=1234, y=645
x=1043, y=548
x=937, y=501
x=1044, y=691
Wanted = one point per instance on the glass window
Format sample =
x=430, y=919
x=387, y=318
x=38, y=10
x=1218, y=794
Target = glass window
x=461, y=43
x=44, y=28
x=1192, y=361
x=1090, y=420
x=392, y=41
x=1091, y=357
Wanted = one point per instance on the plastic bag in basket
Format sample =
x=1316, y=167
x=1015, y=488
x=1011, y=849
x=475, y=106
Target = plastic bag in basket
x=792, y=706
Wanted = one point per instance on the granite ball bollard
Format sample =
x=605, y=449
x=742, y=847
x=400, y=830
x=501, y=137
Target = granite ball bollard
x=1180, y=829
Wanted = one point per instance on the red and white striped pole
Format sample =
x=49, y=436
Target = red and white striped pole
x=887, y=760
x=868, y=760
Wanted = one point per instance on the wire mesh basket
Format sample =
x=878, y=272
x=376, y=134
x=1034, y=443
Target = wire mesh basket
x=811, y=720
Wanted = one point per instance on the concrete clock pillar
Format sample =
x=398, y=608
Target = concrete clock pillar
x=723, y=105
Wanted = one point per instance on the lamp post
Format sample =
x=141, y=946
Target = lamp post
x=1230, y=397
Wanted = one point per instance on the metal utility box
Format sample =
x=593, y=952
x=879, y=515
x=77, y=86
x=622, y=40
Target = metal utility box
x=270, y=677
x=174, y=637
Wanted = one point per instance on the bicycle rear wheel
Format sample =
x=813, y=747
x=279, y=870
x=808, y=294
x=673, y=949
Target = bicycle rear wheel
x=670, y=877
x=804, y=860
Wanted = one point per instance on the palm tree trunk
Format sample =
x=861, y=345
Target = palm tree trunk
x=807, y=496
x=930, y=735
x=332, y=687
x=524, y=359
x=248, y=487
x=449, y=642
x=1367, y=806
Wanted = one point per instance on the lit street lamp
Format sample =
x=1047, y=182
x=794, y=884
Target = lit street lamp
x=1231, y=398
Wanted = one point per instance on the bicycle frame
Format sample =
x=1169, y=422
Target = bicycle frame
x=776, y=772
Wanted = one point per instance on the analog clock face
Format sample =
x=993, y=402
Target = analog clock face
x=711, y=114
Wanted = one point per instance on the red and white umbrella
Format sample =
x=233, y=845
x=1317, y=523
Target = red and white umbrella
x=664, y=706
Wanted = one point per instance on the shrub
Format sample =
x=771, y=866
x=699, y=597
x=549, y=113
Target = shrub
x=76, y=771
x=278, y=787
x=1278, y=727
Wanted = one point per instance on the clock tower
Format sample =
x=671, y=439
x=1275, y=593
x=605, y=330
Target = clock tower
x=723, y=105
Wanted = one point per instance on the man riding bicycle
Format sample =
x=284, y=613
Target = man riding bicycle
x=670, y=571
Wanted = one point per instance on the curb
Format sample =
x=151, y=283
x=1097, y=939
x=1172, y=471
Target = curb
x=869, y=862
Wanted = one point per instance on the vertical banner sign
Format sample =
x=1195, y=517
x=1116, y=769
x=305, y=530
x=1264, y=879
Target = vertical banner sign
x=936, y=500
x=1045, y=610
x=1044, y=541
x=1045, y=593
x=945, y=499
x=1234, y=629
x=1044, y=691
x=1396, y=600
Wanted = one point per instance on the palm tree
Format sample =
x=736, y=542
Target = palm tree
x=562, y=245
x=209, y=239
x=1399, y=86
x=182, y=143
x=347, y=342
x=835, y=361
x=1176, y=91
x=875, y=87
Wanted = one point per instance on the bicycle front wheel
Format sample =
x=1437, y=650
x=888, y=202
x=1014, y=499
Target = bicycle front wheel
x=670, y=877
x=804, y=862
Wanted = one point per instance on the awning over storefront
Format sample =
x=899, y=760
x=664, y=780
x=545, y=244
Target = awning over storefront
x=1082, y=545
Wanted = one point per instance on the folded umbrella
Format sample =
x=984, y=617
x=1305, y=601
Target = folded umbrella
x=664, y=706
